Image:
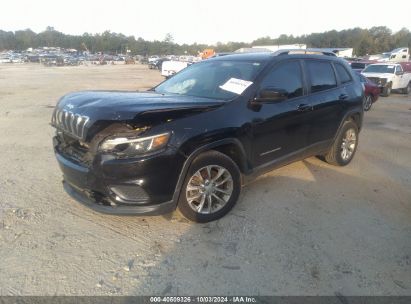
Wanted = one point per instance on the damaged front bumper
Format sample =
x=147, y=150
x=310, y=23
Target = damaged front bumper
x=87, y=199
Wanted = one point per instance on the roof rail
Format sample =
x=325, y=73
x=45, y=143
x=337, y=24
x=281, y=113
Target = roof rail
x=304, y=51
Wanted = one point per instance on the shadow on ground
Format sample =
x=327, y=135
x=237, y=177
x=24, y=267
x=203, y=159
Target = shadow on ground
x=296, y=234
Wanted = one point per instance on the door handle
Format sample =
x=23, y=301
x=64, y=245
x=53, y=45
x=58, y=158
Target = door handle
x=343, y=97
x=304, y=108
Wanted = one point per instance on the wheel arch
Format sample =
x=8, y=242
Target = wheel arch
x=355, y=115
x=231, y=147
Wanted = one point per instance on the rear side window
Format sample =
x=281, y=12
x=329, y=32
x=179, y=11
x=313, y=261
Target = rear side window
x=357, y=65
x=322, y=75
x=285, y=76
x=343, y=75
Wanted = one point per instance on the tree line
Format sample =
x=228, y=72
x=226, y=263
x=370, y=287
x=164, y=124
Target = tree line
x=364, y=41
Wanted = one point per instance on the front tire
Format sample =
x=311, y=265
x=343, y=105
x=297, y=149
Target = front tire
x=211, y=187
x=344, y=146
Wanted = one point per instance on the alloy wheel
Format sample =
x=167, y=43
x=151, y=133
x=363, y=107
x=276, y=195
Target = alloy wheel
x=367, y=102
x=348, y=144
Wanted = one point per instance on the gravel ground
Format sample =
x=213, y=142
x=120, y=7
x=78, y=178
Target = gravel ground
x=305, y=229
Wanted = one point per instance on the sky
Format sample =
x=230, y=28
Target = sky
x=207, y=21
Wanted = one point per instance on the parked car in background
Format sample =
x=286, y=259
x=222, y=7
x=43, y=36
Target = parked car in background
x=72, y=61
x=130, y=60
x=157, y=64
x=371, y=92
x=17, y=59
x=389, y=76
x=153, y=58
x=397, y=55
x=5, y=59
x=169, y=68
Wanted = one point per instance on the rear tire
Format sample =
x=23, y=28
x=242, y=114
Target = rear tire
x=211, y=187
x=345, y=145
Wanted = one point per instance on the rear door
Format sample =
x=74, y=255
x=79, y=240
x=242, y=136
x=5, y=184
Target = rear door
x=326, y=97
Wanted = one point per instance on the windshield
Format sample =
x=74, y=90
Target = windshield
x=380, y=69
x=216, y=79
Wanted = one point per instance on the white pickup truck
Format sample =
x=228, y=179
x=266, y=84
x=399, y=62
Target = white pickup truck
x=390, y=76
x=169, y=68
x=396, y=55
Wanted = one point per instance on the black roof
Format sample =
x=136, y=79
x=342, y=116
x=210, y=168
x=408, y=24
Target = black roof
x=263, y=56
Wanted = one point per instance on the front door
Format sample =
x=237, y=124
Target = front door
x=280, y=128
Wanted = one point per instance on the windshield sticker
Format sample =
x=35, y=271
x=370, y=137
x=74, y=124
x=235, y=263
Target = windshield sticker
x=237, y=86
x=390, y=66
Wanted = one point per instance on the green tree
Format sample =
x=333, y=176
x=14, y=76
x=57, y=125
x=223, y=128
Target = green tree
x=364, y=41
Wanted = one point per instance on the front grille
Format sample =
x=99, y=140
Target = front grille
x=374, y=79
x=73, y=149
x=74, y=124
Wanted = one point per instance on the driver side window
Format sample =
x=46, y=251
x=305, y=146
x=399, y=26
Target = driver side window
x=285, y=77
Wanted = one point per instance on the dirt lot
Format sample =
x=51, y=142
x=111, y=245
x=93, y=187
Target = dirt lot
x=307, y=228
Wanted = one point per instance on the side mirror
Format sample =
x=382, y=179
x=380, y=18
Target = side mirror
x=271, y=95
x=399, y=73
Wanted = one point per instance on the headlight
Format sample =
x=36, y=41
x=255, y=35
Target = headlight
x=124, y=146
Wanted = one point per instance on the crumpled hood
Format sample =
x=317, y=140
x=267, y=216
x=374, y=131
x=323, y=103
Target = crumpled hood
x=123, y=105
x=77, y=113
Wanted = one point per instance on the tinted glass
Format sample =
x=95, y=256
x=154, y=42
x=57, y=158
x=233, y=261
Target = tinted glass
x=342, y=73
x=206, y=79
x=322, y=75
x=285, y=76
x=379, y=68
x=357, y=65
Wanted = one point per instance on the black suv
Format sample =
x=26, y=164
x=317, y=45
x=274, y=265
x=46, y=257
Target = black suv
x=189, y=142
